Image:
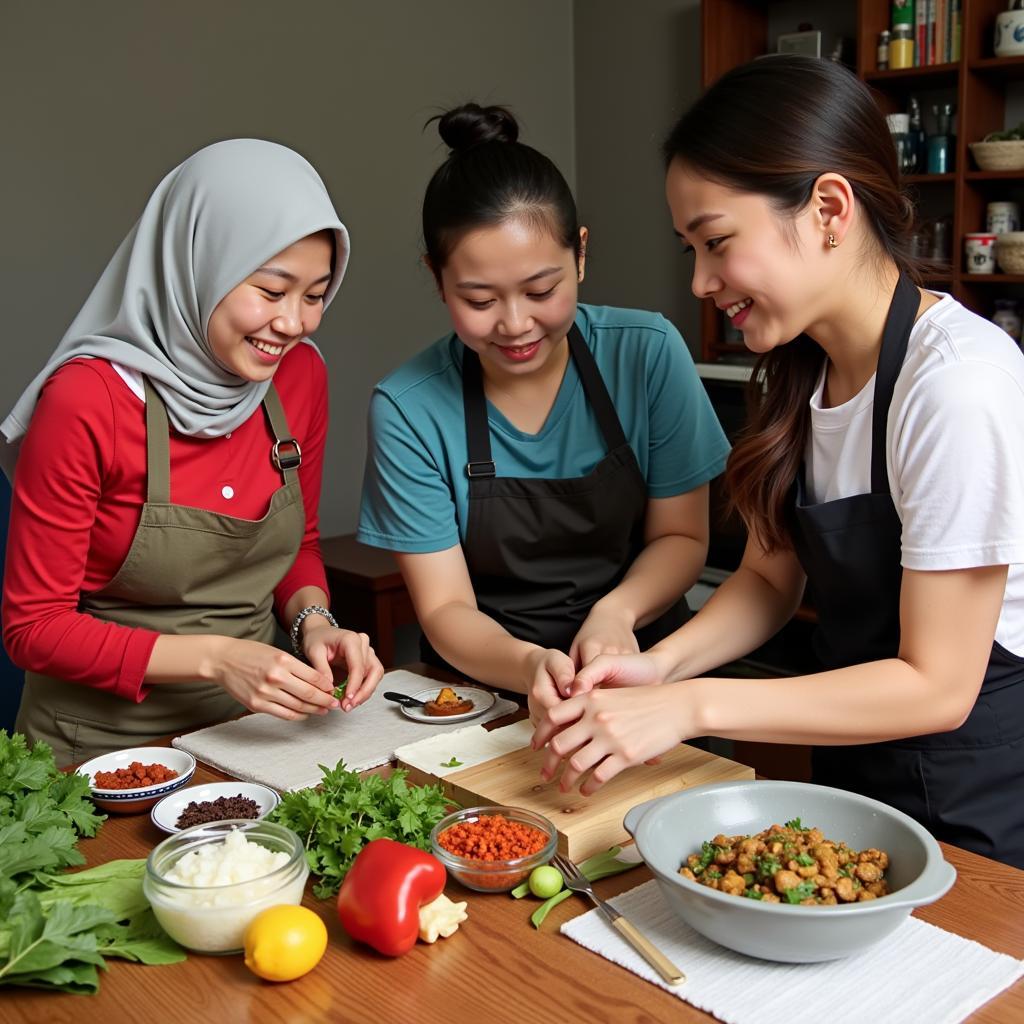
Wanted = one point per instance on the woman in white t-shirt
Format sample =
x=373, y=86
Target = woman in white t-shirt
x=883, y=468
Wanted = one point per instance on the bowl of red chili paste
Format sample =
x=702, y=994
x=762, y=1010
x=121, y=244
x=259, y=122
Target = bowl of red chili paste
x=133, y=780
x=492, y=849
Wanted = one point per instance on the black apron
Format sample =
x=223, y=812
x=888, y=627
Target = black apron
x=542, y=552
x=965, y=786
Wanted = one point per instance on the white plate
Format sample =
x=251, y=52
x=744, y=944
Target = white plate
x=482, y=700
x=166, y=813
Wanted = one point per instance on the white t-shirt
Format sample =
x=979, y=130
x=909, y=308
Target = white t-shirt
x=954, y=451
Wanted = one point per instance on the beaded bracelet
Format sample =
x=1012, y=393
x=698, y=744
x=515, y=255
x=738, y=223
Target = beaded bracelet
x=313, y=609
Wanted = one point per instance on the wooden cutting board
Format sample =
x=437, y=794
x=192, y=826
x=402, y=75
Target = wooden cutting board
x=586, y=825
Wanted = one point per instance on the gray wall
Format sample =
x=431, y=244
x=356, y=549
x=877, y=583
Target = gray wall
x=103, y=98
x=637, y=69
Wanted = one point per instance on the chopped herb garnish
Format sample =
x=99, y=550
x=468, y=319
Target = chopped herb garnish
x=753, y=894
x=801, y=892
x=707, y=855
x=453, y=763
x=797, y=826
x=805, y=860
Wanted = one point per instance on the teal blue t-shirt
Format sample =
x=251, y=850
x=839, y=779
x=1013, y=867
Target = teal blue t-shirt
x=415, y=488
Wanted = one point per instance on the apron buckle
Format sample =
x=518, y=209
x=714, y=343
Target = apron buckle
x=286, y=454
x=476, y=470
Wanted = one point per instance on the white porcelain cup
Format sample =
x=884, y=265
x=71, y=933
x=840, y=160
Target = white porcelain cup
x=1009, y=35
x=1002, y=217
x=980, y=250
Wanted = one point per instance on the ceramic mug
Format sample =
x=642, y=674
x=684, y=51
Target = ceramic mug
x=1009, y=37
x=980, y=250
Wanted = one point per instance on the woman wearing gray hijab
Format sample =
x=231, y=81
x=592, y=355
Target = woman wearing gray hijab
x=168, y=471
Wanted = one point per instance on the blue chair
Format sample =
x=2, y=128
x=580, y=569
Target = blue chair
x=12, y=679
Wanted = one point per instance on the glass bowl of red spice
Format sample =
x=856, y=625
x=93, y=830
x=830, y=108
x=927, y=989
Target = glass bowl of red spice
x=493, y=849
x=133, y=780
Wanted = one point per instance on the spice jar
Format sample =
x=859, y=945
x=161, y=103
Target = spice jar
x=882, y=59
x=901, y=47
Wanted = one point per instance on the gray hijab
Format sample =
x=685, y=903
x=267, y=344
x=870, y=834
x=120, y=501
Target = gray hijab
x=210, y=223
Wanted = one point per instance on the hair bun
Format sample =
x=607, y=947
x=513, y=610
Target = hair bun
x=470, y=125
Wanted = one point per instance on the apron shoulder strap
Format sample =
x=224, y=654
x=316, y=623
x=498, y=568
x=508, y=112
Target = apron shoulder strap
x=286, y=453
x=478, y=429
x=596, y=391
x=898, y=325
x=158, y=448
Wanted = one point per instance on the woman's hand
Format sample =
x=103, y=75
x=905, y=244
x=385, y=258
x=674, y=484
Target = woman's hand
x=326, y=646
x=603, y=632
x=624, y=670
x=549, y=674
x=267, y=679
x=607, y=730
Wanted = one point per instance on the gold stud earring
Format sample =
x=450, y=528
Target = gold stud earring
x=832, y=243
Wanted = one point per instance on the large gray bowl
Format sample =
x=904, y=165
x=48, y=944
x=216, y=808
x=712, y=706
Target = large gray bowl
x=670, y=828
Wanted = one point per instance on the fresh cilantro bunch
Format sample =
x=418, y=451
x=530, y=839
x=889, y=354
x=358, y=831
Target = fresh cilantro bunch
x=346, y=811
x=42, y=811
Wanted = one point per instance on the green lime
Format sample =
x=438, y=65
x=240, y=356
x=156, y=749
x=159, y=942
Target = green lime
x=545, y=882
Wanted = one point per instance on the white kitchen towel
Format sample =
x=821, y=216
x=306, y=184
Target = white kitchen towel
x=286, y=755
x=919, y=973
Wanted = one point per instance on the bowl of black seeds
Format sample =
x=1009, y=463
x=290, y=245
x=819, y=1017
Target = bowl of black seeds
x=214, y=801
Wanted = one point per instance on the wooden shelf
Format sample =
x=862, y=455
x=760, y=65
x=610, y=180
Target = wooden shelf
x=928, y=179
x=992, y=278
x=1017, y=175
x=930, y=76
x=1005, y=69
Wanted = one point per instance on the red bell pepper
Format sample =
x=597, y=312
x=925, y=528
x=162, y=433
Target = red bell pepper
x=381, y=896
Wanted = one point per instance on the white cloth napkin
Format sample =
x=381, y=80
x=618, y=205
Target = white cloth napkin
x=919, y=973
x=286, y=755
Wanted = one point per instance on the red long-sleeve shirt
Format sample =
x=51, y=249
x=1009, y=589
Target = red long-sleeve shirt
x=78, y=495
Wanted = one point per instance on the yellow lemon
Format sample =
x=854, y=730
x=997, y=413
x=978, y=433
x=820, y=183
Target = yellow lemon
x=284, y=943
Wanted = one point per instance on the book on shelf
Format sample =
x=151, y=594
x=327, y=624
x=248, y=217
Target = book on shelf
x=921, y=33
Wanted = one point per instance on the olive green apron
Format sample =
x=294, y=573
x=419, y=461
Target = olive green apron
x=188, y=571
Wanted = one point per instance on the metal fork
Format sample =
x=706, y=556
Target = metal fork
x=578, y=882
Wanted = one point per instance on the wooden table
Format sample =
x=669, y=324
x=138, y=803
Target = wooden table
x=495, y=969
x=367, y=592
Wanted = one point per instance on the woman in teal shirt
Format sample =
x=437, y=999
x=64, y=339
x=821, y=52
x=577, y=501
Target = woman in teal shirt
x=541, y=473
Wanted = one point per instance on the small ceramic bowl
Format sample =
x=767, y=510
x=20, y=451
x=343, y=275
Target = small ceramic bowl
x=134, y=801
x=166, y=813
x=494, y=875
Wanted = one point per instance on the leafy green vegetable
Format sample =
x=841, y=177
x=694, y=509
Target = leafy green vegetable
x=56, y=934
x=42, y=811
x=346, y=811
x=803, y=891
x=56, y=928
x=453, y=763
x=601, y=865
